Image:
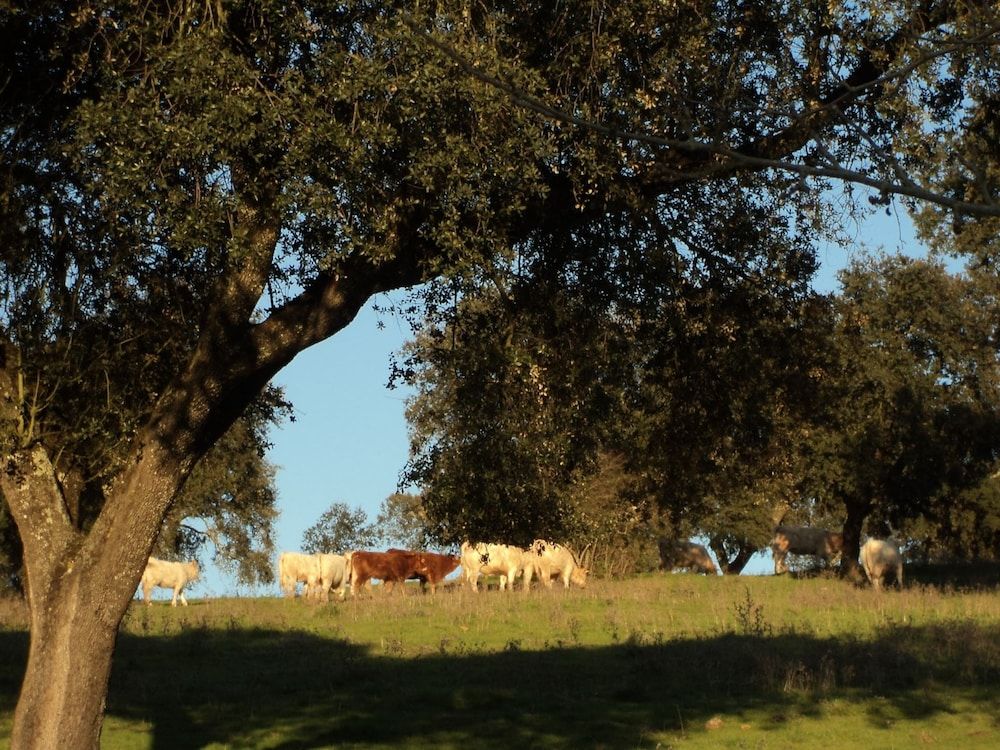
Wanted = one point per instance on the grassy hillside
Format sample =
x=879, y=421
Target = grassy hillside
x=664, y=661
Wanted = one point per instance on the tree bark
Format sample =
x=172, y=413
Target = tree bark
x=62, y=697
x=856, y=515
x=735, y=566
x=78, y=589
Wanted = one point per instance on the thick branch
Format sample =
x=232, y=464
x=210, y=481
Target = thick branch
x=682, y=161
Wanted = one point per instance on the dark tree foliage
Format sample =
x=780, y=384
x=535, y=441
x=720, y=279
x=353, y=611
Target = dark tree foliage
x=675, y=344
x=911, y=398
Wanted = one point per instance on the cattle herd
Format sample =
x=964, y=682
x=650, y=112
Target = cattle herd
x=322, y=573
x=548, y=561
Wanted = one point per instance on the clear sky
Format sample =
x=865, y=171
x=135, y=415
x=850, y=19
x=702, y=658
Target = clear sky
x=349, y=441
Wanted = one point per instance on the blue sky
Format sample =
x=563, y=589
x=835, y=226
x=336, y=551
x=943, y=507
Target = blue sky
x=349, y=441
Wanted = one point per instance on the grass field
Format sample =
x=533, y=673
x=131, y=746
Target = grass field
x=673, y=661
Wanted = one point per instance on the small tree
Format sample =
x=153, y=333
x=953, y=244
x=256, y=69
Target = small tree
x=402, y=522
x=340, y=529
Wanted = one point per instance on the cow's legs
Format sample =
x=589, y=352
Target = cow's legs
x=779, y=563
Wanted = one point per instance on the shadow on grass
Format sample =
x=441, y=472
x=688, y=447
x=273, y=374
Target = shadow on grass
x=246, y=687
x=961, y=576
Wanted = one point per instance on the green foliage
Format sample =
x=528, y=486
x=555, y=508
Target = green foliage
x=340, y=529
x=402, y=522
x=911, y=396
x=680, y=359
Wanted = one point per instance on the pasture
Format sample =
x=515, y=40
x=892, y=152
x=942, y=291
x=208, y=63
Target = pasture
x=664, y=661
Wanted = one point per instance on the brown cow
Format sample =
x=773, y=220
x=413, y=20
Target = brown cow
x=804, y=540
x=389, y=567
x=676, y=553
x=434, y=568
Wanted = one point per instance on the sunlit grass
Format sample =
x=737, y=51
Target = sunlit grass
x=669, y=661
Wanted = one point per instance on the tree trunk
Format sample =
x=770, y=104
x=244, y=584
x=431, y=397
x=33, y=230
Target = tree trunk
x=735, y=566
x=79, y=584
x=62, y=697
x=856, y=515
x=78, y=589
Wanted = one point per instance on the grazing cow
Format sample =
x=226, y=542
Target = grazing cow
x=503, y=560
x=553, y=560
x=675, y=553
x=802, y=540
x=295, y=567
x=334, y=572
x=881, y=560
x=168, y=575
x=433, y=568
x=389, y=567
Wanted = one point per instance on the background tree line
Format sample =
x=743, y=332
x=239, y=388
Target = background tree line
x=875, y=409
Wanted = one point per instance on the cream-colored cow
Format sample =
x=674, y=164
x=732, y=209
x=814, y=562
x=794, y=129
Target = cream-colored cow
x=882, y=562
x=296, y=567
x=334, y=572
x=484, y=558
x=550, y=560
x=168, y=575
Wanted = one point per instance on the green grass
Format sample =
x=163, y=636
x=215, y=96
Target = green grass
x=664, y=661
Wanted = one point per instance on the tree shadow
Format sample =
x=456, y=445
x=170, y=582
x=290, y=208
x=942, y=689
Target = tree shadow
x=291, y=689
x=959, y=576
x=297, y=690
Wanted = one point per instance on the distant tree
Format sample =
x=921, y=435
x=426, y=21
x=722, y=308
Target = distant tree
x=402, y=522
x=910, y=416
x=339, y=529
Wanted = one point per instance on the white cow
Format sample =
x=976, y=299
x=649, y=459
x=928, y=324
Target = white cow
x=803, y=540
x=334, y=572
x=881, y=560
x=168, y=575
x=675, y=553
x=484, y=558
x=550, y=560
x=294, y=567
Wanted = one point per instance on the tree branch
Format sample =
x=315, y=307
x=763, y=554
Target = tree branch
x=717, y=159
